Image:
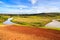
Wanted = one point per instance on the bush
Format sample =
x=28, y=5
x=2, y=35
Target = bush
x=22, y=23
x=37, y=24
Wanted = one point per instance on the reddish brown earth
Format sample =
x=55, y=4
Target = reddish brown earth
x=13, y=32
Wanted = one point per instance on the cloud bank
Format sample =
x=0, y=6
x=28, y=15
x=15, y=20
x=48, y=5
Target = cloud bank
x=30, y=6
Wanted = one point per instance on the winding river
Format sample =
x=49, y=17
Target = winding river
x=8, y=21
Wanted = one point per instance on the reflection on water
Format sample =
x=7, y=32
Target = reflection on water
x=8, y=21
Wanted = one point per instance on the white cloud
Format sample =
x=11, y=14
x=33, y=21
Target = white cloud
x=33, y=9
x=41, y=9
x=15, y=6
x=36, y=9
x=33, y=1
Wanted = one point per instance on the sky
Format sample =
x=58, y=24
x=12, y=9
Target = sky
x=29, y=6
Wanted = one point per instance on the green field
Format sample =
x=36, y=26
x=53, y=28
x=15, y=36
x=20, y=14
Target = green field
x=32, y=20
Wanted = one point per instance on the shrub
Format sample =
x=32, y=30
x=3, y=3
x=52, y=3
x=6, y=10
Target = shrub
x=37, y=24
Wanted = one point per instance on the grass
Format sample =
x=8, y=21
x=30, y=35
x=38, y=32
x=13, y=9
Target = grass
x=3, y=18
x=31, y=20
x=51, y=28
x=38, y=21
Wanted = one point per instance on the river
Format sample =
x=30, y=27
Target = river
x=8, y=21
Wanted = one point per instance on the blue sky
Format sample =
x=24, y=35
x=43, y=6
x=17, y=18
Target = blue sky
x=29, y=6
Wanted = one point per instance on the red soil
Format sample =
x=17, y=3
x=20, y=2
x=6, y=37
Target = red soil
x=28, y=33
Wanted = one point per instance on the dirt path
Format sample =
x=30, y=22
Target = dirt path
x=13, y=32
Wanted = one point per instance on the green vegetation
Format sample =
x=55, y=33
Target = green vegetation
x=3, y=18
x=33, y=20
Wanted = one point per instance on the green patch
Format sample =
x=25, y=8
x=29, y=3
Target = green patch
x=36, y=24
x=51, y=28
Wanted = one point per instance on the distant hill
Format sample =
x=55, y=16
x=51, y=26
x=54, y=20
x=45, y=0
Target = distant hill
x=42, y=14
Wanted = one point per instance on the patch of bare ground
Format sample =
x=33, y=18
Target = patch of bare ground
x=13, y=32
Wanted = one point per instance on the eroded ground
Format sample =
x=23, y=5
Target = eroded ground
x=13, y=32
